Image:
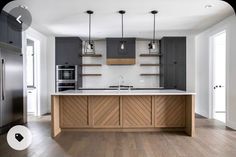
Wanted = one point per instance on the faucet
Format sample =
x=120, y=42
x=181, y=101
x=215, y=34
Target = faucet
x=121, y=80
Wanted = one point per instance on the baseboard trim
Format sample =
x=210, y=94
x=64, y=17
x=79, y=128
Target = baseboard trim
x=231, y=125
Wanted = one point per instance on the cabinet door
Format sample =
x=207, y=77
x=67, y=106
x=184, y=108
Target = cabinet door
x=31, y=101
x=137, y=111
x=14, y=32
x=105, y=111
x=168, y=63
x=74, y=112
x=3, y=27
x=173, y=63
x=180, y=75
x=68, y=51
x=114, y=51
x=169, y=111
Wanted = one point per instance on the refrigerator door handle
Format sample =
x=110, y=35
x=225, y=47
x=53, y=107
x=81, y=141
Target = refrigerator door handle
x=3, y=79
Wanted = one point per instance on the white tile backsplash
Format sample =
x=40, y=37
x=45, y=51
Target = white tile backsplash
x=131, y=73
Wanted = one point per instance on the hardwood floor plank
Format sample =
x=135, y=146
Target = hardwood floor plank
x=212, y=140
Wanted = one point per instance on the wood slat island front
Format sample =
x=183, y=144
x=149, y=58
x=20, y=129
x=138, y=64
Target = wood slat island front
x=124, y=112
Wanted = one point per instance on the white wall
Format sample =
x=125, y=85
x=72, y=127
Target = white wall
x=111, y=73
x=190, y=64
x=203, y=101
x=50, y=68
x=41, y=83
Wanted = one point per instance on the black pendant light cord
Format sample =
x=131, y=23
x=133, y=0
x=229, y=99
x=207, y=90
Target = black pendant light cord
x=122, y=23
x=89, y=28
x=122, y=12
x=90, y=12
x=154, y=29
x=154, y=12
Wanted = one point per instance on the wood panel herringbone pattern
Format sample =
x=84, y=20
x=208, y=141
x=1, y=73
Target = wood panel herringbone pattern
x=106, y=111
x=74, y=111
x=169, y=111
x=137, y=111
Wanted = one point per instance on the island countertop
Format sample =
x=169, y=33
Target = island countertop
x=122, y=92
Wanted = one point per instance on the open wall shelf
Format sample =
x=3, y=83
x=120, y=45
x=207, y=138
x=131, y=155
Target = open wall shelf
x=149, y=64
x=149, y=74
x=91, y=74
x=91, y=55
x=91, y=65
x=149, y=55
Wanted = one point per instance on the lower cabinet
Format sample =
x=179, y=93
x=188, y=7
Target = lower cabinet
x=137, y=111
x=74, y=112
x=105, y=111
x=169, y=111
x=122, y=112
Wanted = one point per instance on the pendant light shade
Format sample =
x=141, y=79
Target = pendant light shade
x=122, y=42
x=89, y=45
x=153, y=44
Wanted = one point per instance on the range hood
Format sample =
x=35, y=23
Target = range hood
x=117, y=55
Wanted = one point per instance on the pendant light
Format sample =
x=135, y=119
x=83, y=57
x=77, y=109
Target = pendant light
x=153, y=45
x=122, y=42
x=89, y=45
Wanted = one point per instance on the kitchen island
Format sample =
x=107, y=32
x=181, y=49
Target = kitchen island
x=123, y=111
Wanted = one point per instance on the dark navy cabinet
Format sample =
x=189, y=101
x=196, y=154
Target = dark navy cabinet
x=10, y=30
x=3, y=27
x=173, y=63
x=69, y=52
x=118, y=56
x=114, y=50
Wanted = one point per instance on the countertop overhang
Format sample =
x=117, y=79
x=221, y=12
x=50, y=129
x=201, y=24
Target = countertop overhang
x=122, y=92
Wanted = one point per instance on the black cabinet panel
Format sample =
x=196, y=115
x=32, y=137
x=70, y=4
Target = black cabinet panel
x=114, y=50
x=69, y=52
x=10, y=30
x=173, y=63
x=14, y=32
x=3, y=27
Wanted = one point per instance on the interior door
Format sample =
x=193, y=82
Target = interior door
x=219, y=76
x=11, y=86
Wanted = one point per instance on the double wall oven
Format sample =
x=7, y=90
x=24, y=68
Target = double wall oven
x=66, y=78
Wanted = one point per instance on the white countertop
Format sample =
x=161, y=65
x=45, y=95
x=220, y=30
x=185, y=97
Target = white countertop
x=124, y=92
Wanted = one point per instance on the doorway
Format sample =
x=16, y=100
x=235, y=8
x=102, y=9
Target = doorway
x=218, y=52
x=31, y=77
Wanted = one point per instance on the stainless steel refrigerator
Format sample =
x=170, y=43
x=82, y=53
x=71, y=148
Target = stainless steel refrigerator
x=11, y=88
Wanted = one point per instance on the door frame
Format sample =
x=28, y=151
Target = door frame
x=36, y=70
x=211, y=68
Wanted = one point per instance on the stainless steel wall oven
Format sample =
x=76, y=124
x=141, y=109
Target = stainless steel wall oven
x=66, y=77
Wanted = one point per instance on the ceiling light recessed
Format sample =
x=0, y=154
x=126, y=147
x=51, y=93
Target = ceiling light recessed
x=208, y=6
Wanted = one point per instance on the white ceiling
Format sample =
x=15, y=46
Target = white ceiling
x=68, y=18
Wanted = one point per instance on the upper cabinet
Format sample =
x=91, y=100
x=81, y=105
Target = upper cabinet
x=3, y=27
x=118, y=56
x=173, y=63
x=10, y=30
x=68, y=51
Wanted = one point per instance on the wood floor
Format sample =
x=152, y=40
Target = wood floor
x=212, y=140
